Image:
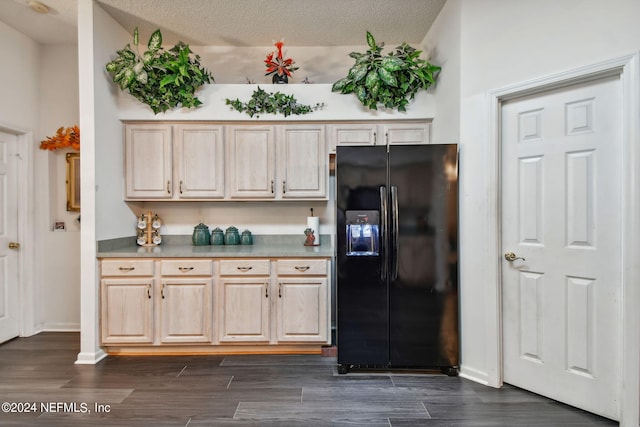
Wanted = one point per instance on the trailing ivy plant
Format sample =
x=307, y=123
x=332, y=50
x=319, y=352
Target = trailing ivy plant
x=267, y=102
x=162, y=79
x=390, y=81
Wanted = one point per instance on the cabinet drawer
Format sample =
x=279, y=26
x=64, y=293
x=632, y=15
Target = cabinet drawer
x=126, y=267
x=186, y=267
x=247, y=267
x=306, y=267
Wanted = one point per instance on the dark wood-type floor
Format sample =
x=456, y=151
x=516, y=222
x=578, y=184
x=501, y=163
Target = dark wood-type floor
x=249, y=391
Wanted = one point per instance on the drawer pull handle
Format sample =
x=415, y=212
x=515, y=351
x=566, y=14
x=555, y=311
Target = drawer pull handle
x=185, y=269
x=244, y=269
x=279, y=290
x=162, y=290
x=126, y=268
x=149, y=291
x=266, y=290
x=302, y=268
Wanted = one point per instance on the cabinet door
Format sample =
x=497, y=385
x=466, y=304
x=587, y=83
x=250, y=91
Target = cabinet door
x=352, y=134
x=148, y=172
x=244, y=309
x=302, y=163
x=251, y=162
x=185, y=310
x=407, y=133
x=127, y=310
x=302, y=310
x=199, y=159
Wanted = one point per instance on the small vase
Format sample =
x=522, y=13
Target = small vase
x=280, y=79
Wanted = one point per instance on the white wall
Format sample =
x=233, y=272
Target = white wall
x=442, y=47
x=502, y=43
x=59, y=252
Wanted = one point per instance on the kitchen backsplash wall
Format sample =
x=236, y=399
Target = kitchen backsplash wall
x=261, y=218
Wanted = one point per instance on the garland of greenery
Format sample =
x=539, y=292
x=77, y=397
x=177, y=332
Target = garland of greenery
x=391, y=80
x=275, y=103
x=162, y=79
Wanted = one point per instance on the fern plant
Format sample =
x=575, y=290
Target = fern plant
x=162, y=79
x=390, y=81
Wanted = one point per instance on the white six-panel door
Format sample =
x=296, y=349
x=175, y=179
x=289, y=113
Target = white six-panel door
x=561, y=203
x=9, y=326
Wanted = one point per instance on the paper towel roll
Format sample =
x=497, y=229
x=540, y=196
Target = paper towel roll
x=313, y=222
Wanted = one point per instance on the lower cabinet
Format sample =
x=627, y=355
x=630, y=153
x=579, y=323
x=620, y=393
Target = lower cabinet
x=186, y=301
x=245, y=308
x=302, y=308
x=215, y=302
x=127, y=302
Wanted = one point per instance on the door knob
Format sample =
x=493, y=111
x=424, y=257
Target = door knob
x=510, y=256
x=14, y=245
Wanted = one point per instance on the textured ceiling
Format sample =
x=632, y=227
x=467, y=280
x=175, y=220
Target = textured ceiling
x=239, y=22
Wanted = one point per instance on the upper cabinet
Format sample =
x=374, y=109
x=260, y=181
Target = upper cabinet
x=302, y=162
x=174, y=162
x=199, y=161
x=148, y=161
x=277, y=162
x=379, y=133
x=251, y=164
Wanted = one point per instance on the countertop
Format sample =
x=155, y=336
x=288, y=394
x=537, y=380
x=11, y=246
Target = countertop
x=267, y=246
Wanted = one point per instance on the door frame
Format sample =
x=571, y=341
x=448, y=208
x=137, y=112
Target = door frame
x=26, y=230
x=627, y=68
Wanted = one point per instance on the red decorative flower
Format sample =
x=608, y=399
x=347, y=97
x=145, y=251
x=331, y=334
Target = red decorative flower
x=278, y=64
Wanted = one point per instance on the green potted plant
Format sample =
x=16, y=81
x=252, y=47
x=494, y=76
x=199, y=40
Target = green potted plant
x=390, y=81
x=160, y=78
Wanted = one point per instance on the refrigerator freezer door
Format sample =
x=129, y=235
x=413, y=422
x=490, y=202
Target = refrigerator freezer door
x=423, y=318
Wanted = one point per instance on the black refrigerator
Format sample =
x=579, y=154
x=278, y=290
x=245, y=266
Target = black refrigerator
x=397, y=257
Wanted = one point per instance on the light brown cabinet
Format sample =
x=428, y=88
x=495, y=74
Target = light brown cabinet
x=251, y=163
x=302, y=308
x=202, y=161
x=127, y=288
x=174, y=162
x=186, y=301
x=262, y=302
x=245, y=305
x=392, y=133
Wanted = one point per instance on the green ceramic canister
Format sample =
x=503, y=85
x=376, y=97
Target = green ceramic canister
x=200, y=235
x=217, y=236
x=231, y=236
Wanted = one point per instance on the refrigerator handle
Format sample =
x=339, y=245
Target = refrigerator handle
x=394, y=232
x=383, y=232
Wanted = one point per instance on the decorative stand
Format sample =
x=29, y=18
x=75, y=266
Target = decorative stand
x=148, y=230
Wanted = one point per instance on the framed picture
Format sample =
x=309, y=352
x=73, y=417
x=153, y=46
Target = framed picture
x=73, y=181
